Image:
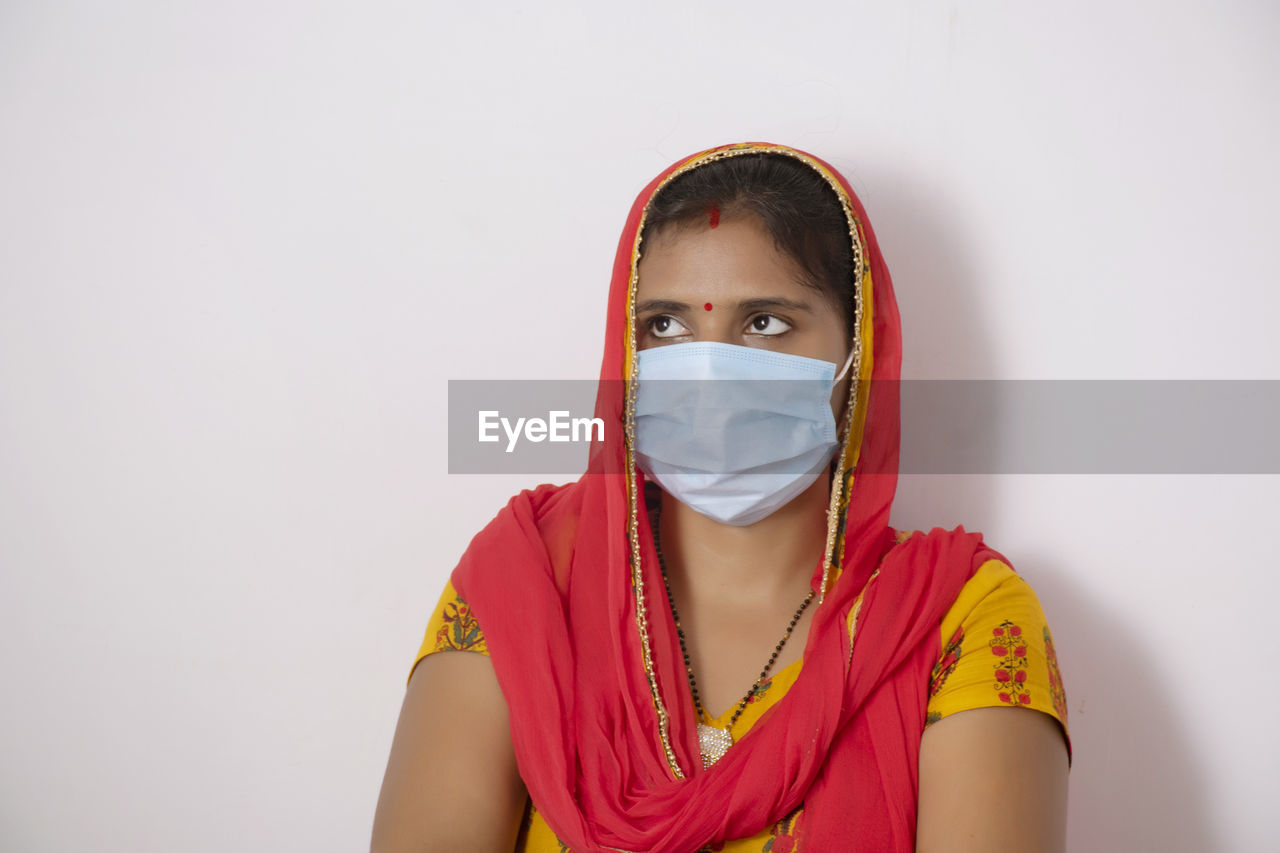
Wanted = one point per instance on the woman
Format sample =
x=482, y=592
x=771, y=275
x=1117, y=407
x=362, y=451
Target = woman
x=713, y=639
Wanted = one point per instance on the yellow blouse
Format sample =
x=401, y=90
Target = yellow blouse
x=996, y=651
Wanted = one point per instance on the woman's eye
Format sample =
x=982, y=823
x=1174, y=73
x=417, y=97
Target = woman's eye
x=666, y=326
x=767, y=324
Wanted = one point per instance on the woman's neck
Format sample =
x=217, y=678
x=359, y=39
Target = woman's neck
x=768, y=560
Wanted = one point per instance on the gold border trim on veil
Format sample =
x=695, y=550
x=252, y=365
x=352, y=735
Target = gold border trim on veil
x=851, y=439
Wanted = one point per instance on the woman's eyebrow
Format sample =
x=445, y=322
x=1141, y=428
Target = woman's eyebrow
x=661, y=305
x=766, y=303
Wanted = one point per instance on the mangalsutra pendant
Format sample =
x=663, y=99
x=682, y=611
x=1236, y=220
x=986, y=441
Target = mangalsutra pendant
x=713, y=743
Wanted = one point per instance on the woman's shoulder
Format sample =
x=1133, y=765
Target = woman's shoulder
x=539, y=503
x=547, y=511
x=996, y=594
x=535, y=524
x=993, y=580
x=993, y=586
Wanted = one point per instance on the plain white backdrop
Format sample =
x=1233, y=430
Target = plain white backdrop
x=244, y=246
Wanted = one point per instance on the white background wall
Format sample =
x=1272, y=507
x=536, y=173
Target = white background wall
x=243, y=246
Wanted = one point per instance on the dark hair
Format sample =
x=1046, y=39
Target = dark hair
x=795, y=203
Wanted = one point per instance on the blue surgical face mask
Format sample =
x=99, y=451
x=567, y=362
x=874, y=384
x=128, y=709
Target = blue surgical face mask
x=733, y=432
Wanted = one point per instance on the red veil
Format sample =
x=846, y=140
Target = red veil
x=566, y=585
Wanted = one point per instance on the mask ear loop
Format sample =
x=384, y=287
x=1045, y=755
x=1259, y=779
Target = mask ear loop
x=834, y=382
x=847, y=362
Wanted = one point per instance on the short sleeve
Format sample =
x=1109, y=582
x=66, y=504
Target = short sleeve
x=451, y=628
x=997, y=651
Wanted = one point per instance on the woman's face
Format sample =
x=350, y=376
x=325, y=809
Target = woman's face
x=730, y=284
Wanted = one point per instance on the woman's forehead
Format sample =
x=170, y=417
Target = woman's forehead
x=737, y=257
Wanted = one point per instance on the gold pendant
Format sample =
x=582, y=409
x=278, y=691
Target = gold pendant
x=713, y=743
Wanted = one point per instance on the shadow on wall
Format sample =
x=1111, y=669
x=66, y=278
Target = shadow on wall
x=1135, y=783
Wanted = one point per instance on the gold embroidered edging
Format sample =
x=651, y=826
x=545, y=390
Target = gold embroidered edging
x=856, y=611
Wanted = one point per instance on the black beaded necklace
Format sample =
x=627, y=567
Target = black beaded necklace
x=714, y=742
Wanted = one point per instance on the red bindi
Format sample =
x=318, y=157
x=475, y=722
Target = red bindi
x=707, y=307
x=714, y=216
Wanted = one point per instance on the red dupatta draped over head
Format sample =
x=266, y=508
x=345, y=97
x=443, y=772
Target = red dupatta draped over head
x=566, y=586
